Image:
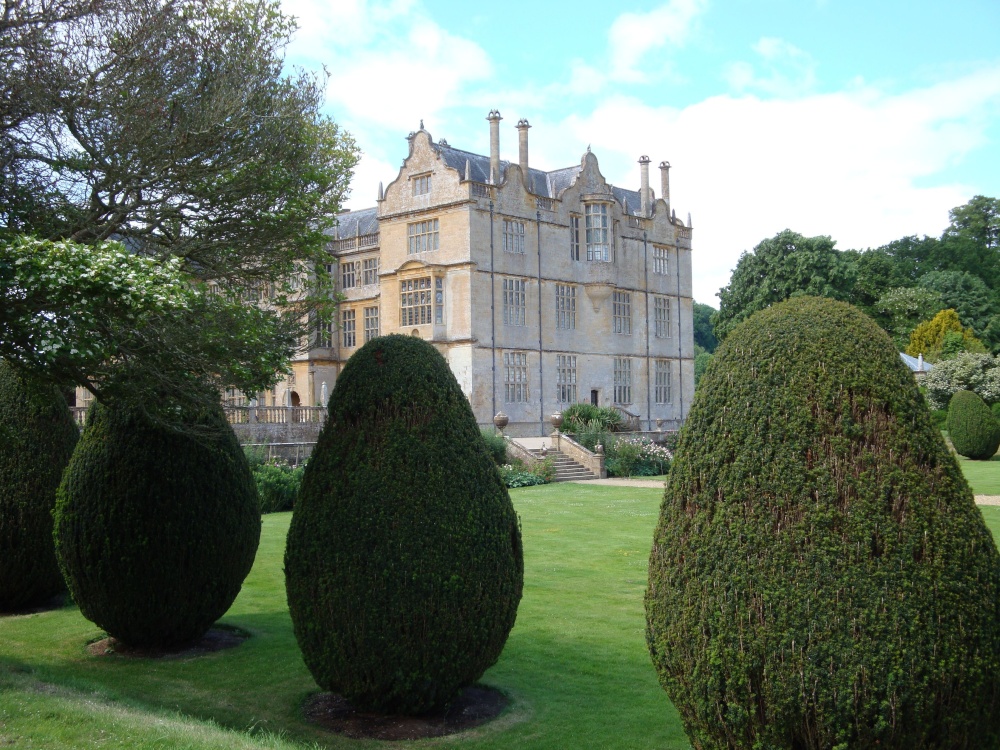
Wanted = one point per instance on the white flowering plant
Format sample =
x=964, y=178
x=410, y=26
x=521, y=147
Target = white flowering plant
x=124, y=324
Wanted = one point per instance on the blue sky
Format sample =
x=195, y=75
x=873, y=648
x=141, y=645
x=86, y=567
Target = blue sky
x=866, y=121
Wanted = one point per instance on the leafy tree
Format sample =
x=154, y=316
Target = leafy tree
x=780, y=267
x=704, y=336
x=943, y=332
x=124, y=325
x=905, y=308
x=701, y=363
x=968, y=295
x=171, y=125
x=979, y=373
x=875, y=273
x=820, y=576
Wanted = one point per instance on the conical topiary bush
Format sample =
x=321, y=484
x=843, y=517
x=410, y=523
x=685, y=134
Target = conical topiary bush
x=972, y=428
x=403, y=566
x=156, y=527
x=820, y=576
x=37, y=437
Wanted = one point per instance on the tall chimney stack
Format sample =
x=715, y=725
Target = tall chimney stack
x=494, y=118
x=644, y=185
x=665, y=181
x=522, y=148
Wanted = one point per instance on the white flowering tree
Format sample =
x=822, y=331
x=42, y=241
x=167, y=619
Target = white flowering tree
x=966, y=372
x=124, y=325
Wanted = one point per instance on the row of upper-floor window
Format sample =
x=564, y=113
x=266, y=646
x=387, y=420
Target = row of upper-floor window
x=421, y=302
x=590, y=231
x=515, y=308
x=517, y=373
x=356, y=273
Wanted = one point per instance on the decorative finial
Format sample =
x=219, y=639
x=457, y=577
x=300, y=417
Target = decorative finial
x=381, y=193
x=421, y=123
x=468, y=171
x=689, y=219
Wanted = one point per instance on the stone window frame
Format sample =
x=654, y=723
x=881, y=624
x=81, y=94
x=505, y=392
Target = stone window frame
x=423, y=236
x=663, y=382
x=622, y=369
x=372, y=323
x=348, y=274
x=566, y=307
x=369, y=271
x=348, y=328
x=515, y=379
x=598, y=230
x=515, y=293
x=513, y=236
x=415, y=301
x=574, y=237
x=566, y=378
x=326, y=334
x=421, y=184
x=661, y=260
x=662, y=318
x=621, y=313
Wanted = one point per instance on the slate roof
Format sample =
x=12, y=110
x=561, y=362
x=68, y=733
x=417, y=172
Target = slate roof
x=546, y=184
x=914, y=364
x=349, y=223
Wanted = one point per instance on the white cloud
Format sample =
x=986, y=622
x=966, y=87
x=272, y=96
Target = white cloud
x=389, y=62
x=848, y=164
x=787, y=70
x=632, y=40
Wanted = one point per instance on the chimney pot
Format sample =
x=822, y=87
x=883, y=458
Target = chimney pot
x=522, y=147
x=494, y=118
x=644, y=200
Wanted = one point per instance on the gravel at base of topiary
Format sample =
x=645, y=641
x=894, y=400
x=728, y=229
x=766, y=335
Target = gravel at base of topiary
x=473, y=707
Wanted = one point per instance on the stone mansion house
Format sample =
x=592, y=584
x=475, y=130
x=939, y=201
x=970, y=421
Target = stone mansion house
x=540, y=289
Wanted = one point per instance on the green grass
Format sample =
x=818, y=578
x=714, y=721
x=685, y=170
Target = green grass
x=575, y=665
x=982, y=476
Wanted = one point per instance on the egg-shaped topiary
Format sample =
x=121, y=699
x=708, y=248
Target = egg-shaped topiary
x=820, y=575
x=972, y=428
x=403, y=565
x=37, y=437
x=156, y=526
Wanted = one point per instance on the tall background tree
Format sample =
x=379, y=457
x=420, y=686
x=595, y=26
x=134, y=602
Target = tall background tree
x=902, y=284
x=173, y=127
x=780, y=267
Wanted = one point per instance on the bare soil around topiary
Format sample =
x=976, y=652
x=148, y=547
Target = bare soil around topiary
x=216, y=639
x=473, y=707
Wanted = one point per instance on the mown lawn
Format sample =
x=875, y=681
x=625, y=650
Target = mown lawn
x=982, y=476
x=575, y=665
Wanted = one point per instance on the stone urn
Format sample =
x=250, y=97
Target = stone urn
x=501, y=420
x=556, y=420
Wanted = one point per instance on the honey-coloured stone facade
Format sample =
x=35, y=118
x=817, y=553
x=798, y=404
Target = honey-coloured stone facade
x=516, y=275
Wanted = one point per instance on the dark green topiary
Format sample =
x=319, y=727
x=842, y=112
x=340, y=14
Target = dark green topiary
x=403, y=566
x=972, y=428
x=156, y=528
x=37, y=437
x=820, y=576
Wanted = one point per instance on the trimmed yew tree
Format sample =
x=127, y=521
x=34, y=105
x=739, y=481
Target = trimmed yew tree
x=820, y=575
x=404, y=566
x=972, y=428
x=37, y=437
x=155, y=527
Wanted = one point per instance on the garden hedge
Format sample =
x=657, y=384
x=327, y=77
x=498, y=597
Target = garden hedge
x=156, y=527
x=972, y=428
x=37, y=437
x=403, y=566
x=820, y=575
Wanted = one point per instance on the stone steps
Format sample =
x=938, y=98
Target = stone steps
x=567, y=470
